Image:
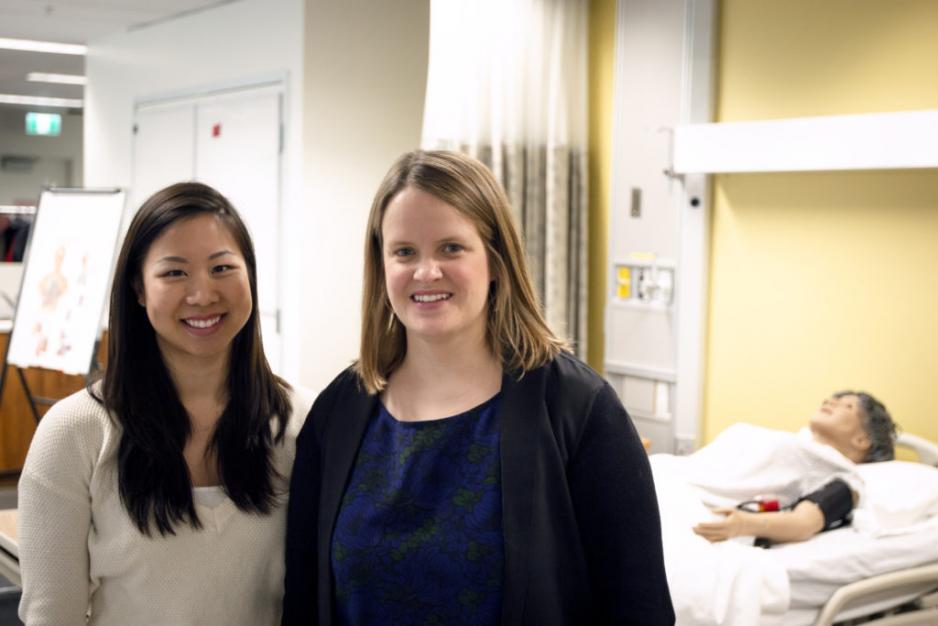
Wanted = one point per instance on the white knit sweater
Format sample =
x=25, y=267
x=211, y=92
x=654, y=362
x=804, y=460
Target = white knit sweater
x=84, y=562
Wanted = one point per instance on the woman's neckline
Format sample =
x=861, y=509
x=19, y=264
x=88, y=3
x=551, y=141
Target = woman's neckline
x=438, y=420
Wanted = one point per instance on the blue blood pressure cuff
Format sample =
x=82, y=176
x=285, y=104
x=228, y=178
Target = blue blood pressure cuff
x=835, y=499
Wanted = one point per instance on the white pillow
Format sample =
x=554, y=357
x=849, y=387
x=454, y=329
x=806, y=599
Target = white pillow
x=897, y=496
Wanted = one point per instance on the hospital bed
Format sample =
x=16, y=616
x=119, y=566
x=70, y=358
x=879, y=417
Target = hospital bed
x=837, y=577
x=843, y=576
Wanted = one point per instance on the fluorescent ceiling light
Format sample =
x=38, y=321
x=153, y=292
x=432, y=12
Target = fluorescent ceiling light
x=17, y=209
x=40, y=101
x=42, y=46
x=65, y=79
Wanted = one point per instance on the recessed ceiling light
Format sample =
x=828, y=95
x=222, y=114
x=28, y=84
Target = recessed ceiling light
x=40, y=101
x=42, y=46
x=65, y=79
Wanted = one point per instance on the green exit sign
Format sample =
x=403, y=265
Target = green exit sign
x=47, y=124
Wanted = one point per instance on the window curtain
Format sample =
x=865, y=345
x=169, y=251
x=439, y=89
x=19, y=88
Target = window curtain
x=507, y=84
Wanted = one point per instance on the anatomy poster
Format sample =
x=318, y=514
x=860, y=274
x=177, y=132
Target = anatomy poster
x=65, y=280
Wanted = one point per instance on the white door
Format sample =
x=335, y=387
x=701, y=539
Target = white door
x=238, y=153
x=235, y=140
x=164, y=149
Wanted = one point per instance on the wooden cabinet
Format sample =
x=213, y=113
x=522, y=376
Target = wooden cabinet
x=17, y=424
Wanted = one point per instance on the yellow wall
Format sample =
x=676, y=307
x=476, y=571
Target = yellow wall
x=601, y=62
x=822, y=281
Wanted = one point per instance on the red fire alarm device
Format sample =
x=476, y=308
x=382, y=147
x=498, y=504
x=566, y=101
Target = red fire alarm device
x=216, y=130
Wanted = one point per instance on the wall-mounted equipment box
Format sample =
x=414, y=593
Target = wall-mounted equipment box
x=644, y=281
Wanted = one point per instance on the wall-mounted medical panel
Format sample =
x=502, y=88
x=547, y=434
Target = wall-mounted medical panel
x=657, y=243
x=899, y=140
x=640, y=283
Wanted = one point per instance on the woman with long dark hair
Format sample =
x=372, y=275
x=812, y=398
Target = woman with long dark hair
x=156, y=496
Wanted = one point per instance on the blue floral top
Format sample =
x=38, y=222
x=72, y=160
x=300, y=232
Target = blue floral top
x=418, y=539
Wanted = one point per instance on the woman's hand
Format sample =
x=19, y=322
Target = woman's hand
x=734, y=523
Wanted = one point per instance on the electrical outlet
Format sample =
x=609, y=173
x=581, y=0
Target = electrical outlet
x=664, y=283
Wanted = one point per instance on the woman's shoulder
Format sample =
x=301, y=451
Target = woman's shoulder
x=301, y=400
x=345, y=383
x=569, y=375
x=76, y=414
x=70, y=436
x=574, y=393
x=305, y=401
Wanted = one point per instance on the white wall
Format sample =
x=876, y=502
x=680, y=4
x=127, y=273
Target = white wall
x=228, y=45
x=356, y=80
x=62, y=153
x=366, y=68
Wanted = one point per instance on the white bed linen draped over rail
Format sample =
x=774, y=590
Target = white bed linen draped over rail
x=507, y=84
x=712, y=584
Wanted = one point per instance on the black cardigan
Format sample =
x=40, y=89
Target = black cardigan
x=580, y=518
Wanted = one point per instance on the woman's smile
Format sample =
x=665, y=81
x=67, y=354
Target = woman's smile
x=204, y=324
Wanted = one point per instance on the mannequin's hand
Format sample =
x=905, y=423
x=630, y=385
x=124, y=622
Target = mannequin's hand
x=733, y=524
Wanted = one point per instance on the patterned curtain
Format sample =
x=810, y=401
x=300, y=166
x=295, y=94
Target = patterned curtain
x=518, y=104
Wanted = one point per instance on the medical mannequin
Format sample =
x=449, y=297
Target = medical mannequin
x=858, y=427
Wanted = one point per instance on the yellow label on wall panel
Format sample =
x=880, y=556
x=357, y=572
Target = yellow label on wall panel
x=623, y=282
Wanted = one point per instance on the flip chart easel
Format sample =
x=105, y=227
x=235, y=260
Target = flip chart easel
x=67, y=271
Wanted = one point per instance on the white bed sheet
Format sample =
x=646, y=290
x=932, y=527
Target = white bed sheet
x=724, y=584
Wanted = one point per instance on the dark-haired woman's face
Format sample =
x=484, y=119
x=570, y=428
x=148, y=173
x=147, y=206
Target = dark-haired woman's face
x=195, y=290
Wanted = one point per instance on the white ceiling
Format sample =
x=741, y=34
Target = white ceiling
x=72, y=21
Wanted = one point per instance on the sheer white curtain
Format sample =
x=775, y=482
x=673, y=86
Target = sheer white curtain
x=507, y=84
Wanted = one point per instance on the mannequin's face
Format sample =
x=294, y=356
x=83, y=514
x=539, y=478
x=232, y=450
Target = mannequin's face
x=838, y=422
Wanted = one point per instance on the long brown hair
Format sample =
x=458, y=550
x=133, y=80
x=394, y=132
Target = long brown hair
x=153, y=478
x=515, y=330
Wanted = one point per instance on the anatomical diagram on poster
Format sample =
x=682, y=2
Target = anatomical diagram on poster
x=65, y=280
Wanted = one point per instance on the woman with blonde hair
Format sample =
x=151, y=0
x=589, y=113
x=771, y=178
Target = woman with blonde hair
x=466, y=469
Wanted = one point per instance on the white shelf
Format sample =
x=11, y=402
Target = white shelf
x=901, y=140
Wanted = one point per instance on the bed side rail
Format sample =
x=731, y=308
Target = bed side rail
x=926, y=450
x=925, y=617
x=908, y=580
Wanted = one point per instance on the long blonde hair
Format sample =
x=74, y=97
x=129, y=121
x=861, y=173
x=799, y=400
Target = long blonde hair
x=515, y=329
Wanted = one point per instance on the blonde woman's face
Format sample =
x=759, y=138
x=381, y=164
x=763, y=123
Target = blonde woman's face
x=436, y=269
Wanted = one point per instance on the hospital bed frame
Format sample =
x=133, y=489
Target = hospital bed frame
x=914, y=588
